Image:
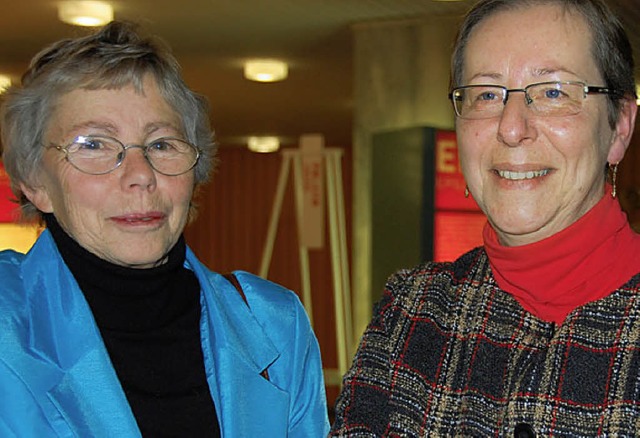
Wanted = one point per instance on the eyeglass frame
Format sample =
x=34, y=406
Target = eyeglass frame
x=124, y=147
x=587, y=89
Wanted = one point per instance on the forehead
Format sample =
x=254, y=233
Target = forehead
x=127, y=107
x=528, y=42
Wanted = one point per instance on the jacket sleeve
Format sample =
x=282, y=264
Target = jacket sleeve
x=298, y=369
x=309, y=415
x=363, y=409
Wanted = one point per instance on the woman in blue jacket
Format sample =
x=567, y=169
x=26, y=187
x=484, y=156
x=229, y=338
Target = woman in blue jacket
x=110, y=326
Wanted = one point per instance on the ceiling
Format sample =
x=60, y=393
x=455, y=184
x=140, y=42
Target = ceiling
x=212, y=38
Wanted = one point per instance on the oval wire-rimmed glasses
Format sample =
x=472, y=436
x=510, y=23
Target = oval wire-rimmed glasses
x=98, y=155
x=548, y=99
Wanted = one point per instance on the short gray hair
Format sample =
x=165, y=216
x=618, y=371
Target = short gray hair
x=610, y=47
x=115, y=56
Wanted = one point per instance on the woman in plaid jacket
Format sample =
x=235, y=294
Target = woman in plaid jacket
x=538, y=331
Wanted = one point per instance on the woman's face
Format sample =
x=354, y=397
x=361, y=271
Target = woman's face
x=133, y=215
x=534, y=176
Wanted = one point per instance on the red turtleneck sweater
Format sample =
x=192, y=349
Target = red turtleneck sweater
x=584, y=262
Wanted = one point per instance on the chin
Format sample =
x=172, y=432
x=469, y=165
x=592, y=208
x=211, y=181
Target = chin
x=524, y=232
x=142, y=261
x=145, y=264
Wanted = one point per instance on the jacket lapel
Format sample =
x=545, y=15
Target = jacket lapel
x=81, y=391
x=249, y=405
x=78, y=389
x=236, y=350
x=89, y=396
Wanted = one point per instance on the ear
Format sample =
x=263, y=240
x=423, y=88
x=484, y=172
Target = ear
x=38, y=197
x=623, y=132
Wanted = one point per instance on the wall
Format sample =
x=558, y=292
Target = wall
x=401, y=81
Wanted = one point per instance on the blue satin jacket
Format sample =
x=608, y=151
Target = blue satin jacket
x=56, y=379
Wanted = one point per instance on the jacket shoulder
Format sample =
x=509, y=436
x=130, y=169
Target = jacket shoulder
x=10, y=262
x=455, y=272
x=276, y=308
x=272, y=304
x=260, y=291
x=11, y=288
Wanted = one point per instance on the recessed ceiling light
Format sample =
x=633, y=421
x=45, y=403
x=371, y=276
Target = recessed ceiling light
x=265, y=70
x=5, y=82
x=85, y=13
x=264, y=144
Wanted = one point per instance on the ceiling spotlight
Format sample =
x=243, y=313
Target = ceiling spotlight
x=263, y=144
x=85, y=13
x=5, y=82
x=265, y=70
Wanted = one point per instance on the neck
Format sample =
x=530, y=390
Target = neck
x=583, y=263
x=126, y=297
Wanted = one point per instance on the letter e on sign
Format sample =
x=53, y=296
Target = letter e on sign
x=446, y=156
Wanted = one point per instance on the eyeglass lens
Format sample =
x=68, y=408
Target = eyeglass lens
x=546, y=99
x=100, y=155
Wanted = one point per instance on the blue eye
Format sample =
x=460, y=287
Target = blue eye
x=160, y=145
x=487, y=95
x=91, y=144
x=552, y=93
x=169, y=146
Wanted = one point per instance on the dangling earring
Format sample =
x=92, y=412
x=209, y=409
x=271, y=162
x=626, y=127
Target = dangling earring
x=466, y=191
x=614, y=175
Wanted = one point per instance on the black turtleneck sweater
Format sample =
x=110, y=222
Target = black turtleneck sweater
x=149, y=321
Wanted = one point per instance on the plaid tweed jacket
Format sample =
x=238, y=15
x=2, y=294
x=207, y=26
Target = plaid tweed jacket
x=449, y=354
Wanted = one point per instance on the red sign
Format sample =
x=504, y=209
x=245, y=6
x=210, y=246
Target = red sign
x=458, y=221
x=8, y=208
x=450, y=183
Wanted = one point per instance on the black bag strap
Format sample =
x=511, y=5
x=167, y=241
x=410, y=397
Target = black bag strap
x=231, y=278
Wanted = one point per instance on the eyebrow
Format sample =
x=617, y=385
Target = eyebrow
x=493, y=76
x=538, y=72
x=91, y=124
x=111, y=130
x=547, y=71
x=156, y=126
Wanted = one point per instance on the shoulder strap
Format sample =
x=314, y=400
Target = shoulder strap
x=234, y=281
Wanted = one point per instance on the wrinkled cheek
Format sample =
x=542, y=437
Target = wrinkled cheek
x=181, y=213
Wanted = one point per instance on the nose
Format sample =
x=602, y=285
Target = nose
x=136, y=169
x=515, y=122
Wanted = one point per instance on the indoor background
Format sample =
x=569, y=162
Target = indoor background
x=370, y=77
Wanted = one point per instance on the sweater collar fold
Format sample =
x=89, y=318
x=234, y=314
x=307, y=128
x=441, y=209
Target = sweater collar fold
x=127, y=299
x=584, y=262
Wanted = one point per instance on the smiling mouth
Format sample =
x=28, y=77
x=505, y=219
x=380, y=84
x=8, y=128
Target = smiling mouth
x=139, y=218
x=519, y=176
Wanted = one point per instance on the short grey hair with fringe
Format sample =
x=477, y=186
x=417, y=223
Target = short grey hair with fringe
x=610, y=46
x=115, y=56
